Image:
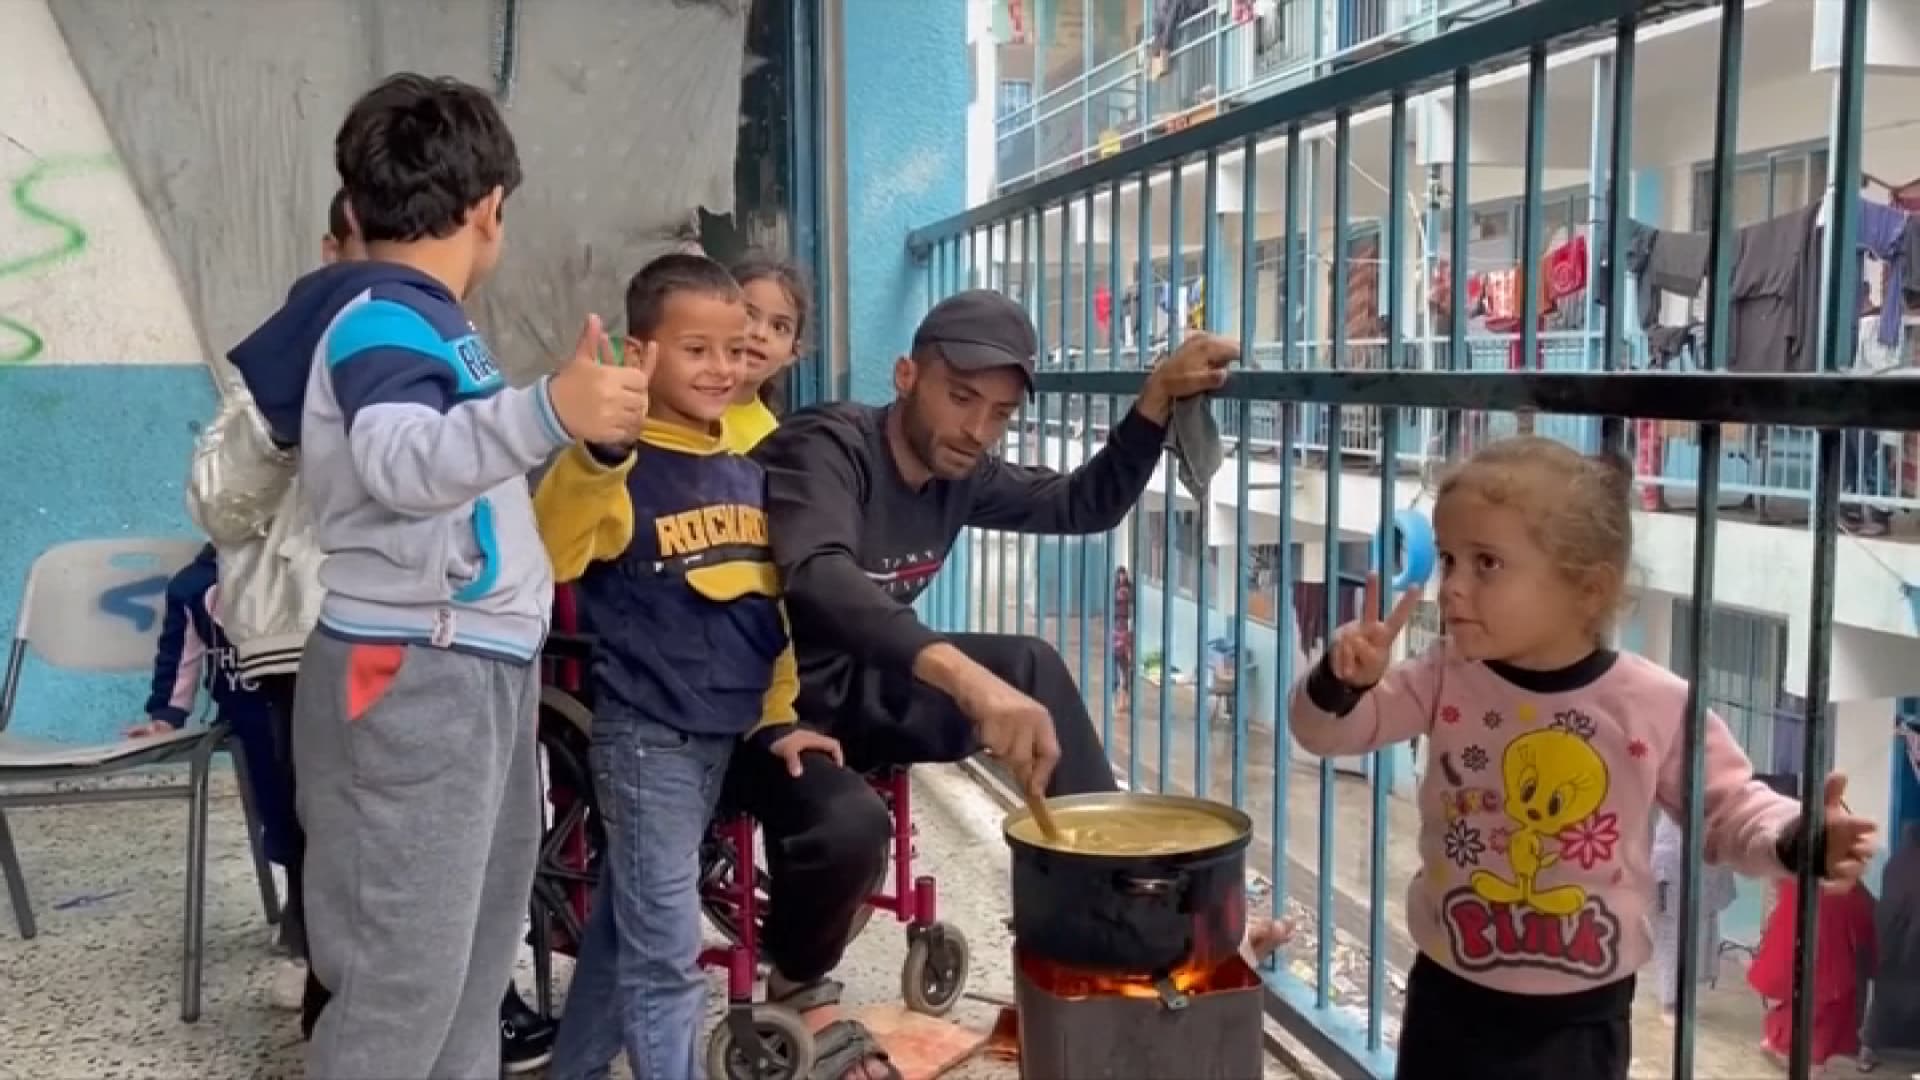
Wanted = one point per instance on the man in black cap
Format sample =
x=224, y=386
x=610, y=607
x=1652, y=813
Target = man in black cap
x=863, y=505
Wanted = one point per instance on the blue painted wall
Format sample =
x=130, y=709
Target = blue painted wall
x=90, y=451
x=908, y=84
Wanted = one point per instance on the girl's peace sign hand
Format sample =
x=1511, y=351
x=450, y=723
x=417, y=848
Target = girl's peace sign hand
x=1362, y=649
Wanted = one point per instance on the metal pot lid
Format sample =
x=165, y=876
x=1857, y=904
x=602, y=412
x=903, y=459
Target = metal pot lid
x=1131, y=824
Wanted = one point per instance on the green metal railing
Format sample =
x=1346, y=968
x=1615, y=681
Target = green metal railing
x=1287, y=419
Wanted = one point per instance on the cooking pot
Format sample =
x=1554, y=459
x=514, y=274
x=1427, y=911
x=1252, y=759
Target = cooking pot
x=1133, y=914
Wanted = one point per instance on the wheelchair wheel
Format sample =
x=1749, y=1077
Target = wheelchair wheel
x=935, y=974
x=571, y=846
x=784, y=1040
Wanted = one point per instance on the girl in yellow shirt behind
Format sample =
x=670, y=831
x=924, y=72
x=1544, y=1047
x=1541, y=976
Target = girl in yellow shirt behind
x=777, y=303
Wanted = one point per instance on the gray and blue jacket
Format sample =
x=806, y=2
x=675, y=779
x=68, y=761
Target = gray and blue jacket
x=414, y=454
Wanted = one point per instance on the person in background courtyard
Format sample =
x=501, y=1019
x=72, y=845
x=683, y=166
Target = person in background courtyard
x=1893, y=1020
x=194, y=655
x=1716, y=893
x=1843, y=958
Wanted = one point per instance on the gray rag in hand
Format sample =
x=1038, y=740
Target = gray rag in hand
x=1194, y=438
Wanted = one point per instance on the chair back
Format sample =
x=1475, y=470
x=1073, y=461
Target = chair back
x=97, y=605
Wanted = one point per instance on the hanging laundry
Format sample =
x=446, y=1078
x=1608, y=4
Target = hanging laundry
x=1776, y=291
x=1440, y=293
x=1242, y=12
x=1167, y=19
x=1660, y=261
x=1272, y=30
x=1883, y=232
x=1010, y=23
x=1499, y=300
x=1102, y=307
x=1566, y=271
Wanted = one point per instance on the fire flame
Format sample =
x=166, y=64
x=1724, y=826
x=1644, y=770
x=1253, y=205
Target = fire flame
x=1193, y=977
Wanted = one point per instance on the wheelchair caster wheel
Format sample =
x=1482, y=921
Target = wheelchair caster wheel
x=785, y=1050
x=935, y=973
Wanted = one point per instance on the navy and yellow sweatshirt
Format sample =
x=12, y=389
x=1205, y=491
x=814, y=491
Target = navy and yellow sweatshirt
x=676, y=578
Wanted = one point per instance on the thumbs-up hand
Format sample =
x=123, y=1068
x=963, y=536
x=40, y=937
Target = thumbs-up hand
x=1849, y=837
x=599, y=402
x=1362, y=649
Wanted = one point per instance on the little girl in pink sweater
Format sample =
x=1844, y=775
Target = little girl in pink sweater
x=1548, y=752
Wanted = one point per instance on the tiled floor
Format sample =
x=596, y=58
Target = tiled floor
x=97, y=994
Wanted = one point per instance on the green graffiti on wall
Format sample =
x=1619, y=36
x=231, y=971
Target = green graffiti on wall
x=54, y=237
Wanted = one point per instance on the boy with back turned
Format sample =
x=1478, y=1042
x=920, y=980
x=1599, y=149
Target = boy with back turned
x=414, y=715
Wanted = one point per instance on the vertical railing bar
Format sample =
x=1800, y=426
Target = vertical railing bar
x=1613, y=440
x=1285, y=625
x=1462, y=219
x=1393, y=284
x=1243, y=452
x=968, y=268
x=997, y=539
x=1081, y=603
x=1143, y=337
x=1037, y=305
x=1530, y=224
x=1170, y=562
x=1336, y=360
x=1115, y=318
x=1203, y=503
x=1060, y=459
x=1836, y=354
x=1722, y=245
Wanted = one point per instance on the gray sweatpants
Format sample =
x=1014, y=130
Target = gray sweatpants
x=419, y=793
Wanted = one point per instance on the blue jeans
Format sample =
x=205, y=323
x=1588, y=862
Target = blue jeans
x=638, y=982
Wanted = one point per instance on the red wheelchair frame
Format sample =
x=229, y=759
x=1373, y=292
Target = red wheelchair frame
x=759, y=1041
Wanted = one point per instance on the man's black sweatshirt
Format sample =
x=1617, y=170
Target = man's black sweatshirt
x=856, y=545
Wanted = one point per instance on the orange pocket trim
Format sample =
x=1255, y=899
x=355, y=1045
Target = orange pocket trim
x=371, y=670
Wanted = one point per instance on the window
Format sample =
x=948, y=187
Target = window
x=1016, y=95
x=1741, y=677
x=1186, y=543
x=1765, y=185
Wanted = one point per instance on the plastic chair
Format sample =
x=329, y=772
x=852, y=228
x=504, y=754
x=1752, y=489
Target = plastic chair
x=96, y=606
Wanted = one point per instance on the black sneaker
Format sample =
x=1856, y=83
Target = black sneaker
x=526, y=1037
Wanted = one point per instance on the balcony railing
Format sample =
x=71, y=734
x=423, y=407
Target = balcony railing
x=1212, y=64
x=1766, y=470
x=1197, y=701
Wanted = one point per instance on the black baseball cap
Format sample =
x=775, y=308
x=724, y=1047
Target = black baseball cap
x=979, y=330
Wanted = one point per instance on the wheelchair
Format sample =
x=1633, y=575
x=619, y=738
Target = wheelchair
x=753, y=1041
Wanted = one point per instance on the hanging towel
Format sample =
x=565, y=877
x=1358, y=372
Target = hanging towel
x=1194, y=438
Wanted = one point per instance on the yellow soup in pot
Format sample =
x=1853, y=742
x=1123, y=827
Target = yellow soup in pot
x=1128, y=830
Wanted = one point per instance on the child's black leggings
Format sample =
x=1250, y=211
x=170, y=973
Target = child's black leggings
x=1454, y=1028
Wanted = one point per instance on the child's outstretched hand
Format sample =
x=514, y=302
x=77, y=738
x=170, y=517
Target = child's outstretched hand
x=1850, y=841
x=1362, y=649
x=799, y=740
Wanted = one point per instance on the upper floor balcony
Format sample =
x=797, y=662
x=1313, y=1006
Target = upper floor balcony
x=1190, y=60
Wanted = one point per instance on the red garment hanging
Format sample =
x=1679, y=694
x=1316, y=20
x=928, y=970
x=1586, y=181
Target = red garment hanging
x=1566, y=270
x=1102, y=306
